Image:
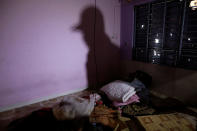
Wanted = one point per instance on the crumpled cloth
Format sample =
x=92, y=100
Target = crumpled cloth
x=73, y=107
x=138, y=85
x=141, y=90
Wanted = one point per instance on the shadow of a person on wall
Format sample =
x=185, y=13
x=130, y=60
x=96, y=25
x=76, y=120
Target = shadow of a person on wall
x=103, y=56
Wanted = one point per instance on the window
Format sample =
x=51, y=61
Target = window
x=166, y=33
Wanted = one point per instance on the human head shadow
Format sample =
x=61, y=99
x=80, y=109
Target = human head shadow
x=103, y=56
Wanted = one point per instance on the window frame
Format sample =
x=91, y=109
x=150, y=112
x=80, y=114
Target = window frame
x=141, y=53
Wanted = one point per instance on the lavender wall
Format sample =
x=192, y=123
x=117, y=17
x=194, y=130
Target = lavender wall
x=41, y=55
x=107, y=41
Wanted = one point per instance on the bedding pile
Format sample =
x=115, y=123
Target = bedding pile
x=122, y=105
x=120, y=92
x=130, y=97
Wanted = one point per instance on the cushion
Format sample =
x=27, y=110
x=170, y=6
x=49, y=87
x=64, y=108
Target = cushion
x=118, y=91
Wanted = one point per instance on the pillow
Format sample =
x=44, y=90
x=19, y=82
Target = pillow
x=118, y=91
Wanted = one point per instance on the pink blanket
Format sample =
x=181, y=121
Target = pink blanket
x=132, y=99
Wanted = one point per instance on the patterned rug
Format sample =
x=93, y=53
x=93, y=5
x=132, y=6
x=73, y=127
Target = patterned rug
x=168, y=122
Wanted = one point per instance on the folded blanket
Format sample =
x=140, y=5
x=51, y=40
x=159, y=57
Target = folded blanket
x=132, y=99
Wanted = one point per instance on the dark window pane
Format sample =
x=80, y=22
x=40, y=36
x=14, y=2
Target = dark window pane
x=166, y=33
x=140, y=54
